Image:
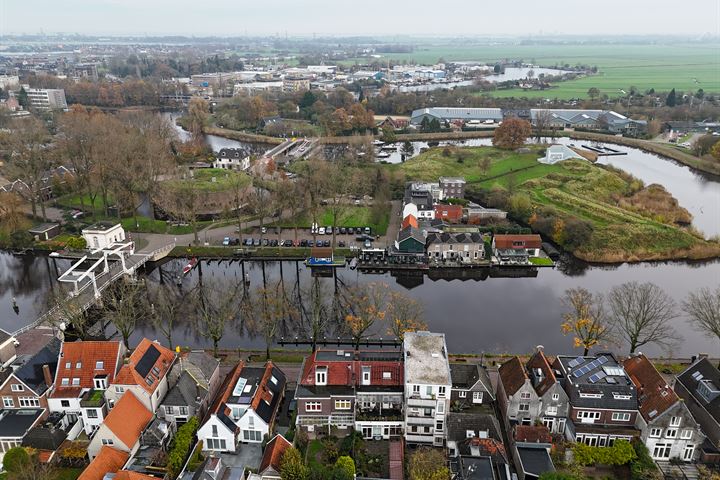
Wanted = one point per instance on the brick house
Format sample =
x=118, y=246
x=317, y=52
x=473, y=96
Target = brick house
x=603, y=399
x=29, y=385
x=449, y=213
x=667, y=427
x=516, y=248
x=341, y=389
x=452, y=187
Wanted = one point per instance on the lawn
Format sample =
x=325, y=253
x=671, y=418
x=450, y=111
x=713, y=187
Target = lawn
x=354, y=216
x=216, y=179
x=683, y=66
x=576, y=189
x=541, y=261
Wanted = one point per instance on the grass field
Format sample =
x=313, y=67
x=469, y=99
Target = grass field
x=659, y=66
x=576, y=189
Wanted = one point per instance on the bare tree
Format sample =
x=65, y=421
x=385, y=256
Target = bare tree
x=182, y=200
x=12, y=217
x=166, y=308
x=542, y=123
x=66, y=314
x=585, y=319
x=404, y=315
x=642, y=314
x=364, y=306
x=124, y=304
x=271, y=310
x=316, y=311
x=198, y=114
x=218, y=307
x=260, y=202
x=703, y=308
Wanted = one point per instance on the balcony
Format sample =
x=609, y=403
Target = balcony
x=379, y=415
x=420, y=420
x=415, y=438
x=421, y=402
x=92, y=399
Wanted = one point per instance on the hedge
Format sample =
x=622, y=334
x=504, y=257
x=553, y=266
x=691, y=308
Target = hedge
x=182, y=444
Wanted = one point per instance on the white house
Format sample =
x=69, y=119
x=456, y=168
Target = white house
x=122, y=427
x=103, y=234
x=428, y=385
x=246, y=409
x=144, y=374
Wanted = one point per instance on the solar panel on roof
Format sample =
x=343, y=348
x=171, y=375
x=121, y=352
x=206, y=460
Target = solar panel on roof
x=596, y=377
x=603, y=360
x=575, y=362
x=147, y=361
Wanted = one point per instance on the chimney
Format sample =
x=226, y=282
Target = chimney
x=539, y=348
x=702, y=356
x=47, y=375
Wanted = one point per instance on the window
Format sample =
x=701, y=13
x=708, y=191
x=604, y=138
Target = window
x=555, y=397
x=99, y=365
x=16, y=387
x=469, y=433
x=416, y=389
x=441, y=407
x=320, y=375
x=441, y=391
x=78, y=365
x=92, y=413
x=675, y=421
x=551, y=410
x=29, y=402
x=342, y=404
x=588, y=415
x=8, y=402
x=313, y=406
x=65, y=382
x=366, y=375
x=662, y=450
x=655, y=432
x=252, y=435
x=525, y=396
x=100, y=383
x=671, y=433
x=462, y=394
x=439, y=426
x=107, y=441
x=214, y=431
x=524, y=407
x=686, y=434
x=183, y=410
x=65, y=403
x=169, y=410
x=428, y=391
x=387, y=375
x=216, y=444
x=68, y=365
x=76, y=382
x=620, y=417
x=477, y=397
x=119, y=389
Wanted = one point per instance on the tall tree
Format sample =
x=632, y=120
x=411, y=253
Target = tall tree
x=585, y=319
x=671, y=99
x=364, y=306
x=218, y=308
x=292, y=466
x=182, y=199
x=512, y=133
x=166, y=309
x=198, y=114
x=271, y=310
x=593, y=93
x=703, y=310
x=404, y=315
x=124, y=305
x=12, y=218
x=642, y=314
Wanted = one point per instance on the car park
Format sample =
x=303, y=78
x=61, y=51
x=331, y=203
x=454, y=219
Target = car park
x=256, y=242
x=288, y=243
x=326, y=243
x=303, y=243
x=274, y=243
x=248, y=242
x=350, y=230
x=367, y=231
x=341, y=244
x=368, y=244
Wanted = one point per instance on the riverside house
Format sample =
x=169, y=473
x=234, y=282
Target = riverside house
x=461, y=247
x=516, y=249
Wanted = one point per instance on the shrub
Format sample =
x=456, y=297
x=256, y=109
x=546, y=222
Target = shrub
x=621, y=453
x=292, y=466
x=76, y=243
x=16, y=460
x=428, y=464
x=643, y=467
x=181, y=446
x=331, y=451
x=344, y=468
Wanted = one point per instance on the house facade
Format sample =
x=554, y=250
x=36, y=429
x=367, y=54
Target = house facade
x=428, y=385
x=411, y=240
x=452, y=187
x=532, y=393
x=667, y=427
x=462, y=247
x=122, y=427
x=103, y=234
x=603, y=399
x=28, y=386
x=144, y=374
x=340, y=389
x=194, y=381
x=699, y=387
x=85, y=369
x=246, y=409
x=516, y=248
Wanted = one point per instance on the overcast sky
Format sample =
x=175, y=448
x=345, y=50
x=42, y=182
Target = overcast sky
x=375, y=17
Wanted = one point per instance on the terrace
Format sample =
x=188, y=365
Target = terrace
x=92, y=398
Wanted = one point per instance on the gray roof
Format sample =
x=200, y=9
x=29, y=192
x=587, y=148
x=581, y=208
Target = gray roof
x=535, y=460
x=426, y=360
x=16, y=423
x=448, y=238
x=581, y=375
x=459, y=423
x=31, y=373
x=411, y=232
x=185, y=392
x=455, y=113
x=466, y=376
x=702, y=371
x=266, y=410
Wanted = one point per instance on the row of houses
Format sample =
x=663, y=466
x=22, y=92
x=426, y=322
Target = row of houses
x=590, y=119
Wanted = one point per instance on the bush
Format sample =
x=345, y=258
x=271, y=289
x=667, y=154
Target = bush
x=344, y=468
x=621, y=453
x=16, y=460
x=181, y=446
x=331, y=451
x=292, y=466
x=76, y=243
x=643, y=467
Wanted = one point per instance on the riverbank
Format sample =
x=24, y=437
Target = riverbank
x=600, y=214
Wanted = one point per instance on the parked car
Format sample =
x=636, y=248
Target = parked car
x=288, y=243
x=256, y=242
x=341, y=244
x=328, y=230
x=368, y=244
x=350, y=230
x=367, y=231
x=303, y=243
x=235, y=241
x=326, y=243
x=321, y=231
x=343, y=230
x=226, y=241
x=248, y=242
x=263, y=230
x=274, y=242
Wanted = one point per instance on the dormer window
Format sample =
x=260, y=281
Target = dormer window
x=100, y=383
x=469, y=433
x=366, y=375
x=99, y=365
x=78, y=365
x=320, y=375
x=68, y=365
x=76, y=382
x=65, y=382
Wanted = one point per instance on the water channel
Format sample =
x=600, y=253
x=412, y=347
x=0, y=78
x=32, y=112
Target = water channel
x=493, y=314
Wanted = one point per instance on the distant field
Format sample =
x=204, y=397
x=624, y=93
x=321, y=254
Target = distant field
x=661, y=67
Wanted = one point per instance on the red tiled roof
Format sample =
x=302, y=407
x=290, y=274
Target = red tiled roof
x=409, y=221
x=654, y=394
x=87, y=354
x=274, y=451
x=539, y=360
x=506, y=241
x=108, y=460
x=349, y=371
x=229, y=384
x=130, y=475
x=262, y=392
x=532, y=434
x=448, y=211
x=512, y=375
x=128, y=374
x=488, y=446
x=128, y=419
